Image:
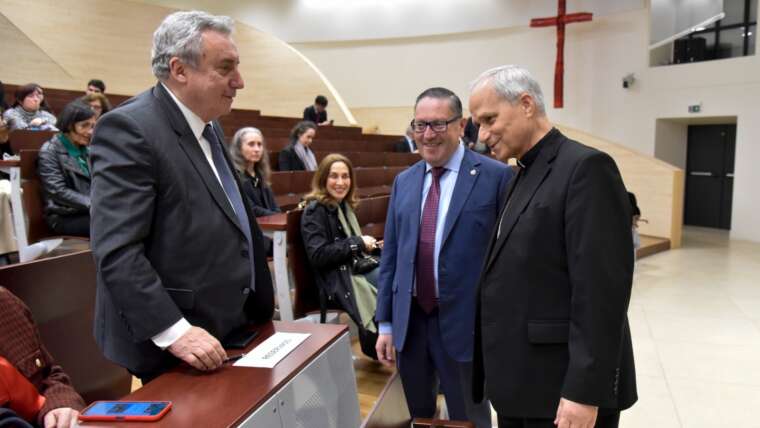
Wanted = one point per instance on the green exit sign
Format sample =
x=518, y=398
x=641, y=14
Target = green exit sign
x=695, y=108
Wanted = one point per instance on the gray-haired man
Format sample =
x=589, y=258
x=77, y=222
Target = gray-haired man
x=180, y=258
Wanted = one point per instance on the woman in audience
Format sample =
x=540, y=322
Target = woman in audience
x=298, y=156
x=251, y=160
x=65, y=172
x=337, y=251
x=28, y=111
x=32, y=385
x=98, y=103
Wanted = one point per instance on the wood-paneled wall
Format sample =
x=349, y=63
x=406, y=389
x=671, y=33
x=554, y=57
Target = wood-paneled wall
x=63, y=44
x=658, y=185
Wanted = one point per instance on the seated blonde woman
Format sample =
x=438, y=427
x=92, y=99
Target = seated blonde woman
x=337, y=250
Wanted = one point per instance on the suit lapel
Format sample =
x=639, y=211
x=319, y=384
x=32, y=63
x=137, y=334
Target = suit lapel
x=192, y=150
x=525, y=188
x=462, y=188
x=492, y=241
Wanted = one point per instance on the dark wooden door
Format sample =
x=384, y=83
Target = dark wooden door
x=710, y=175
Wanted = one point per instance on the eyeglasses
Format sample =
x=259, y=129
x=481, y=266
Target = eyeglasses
x=419, y=126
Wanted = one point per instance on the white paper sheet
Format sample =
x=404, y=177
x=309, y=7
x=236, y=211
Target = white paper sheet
x=272, y=350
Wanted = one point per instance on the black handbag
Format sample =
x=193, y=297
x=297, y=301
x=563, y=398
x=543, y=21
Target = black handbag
x=365, y=264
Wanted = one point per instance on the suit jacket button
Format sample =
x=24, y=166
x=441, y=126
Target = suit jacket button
x=244, y=253
x=246, y=290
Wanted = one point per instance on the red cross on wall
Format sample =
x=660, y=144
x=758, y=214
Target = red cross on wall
x=560, y=21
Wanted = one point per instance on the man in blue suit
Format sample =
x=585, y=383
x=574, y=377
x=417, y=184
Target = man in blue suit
x=440, y=217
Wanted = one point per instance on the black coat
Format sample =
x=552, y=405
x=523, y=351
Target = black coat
x=288, y=160
x=554, y=292
x=310, y=113
x=260, y=195
x=66, y=188
x=402, y=146
x=331, y=252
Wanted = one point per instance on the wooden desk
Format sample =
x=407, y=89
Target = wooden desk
x=275, y=227
x=313, y=386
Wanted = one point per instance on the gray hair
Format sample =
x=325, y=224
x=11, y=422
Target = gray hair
x=179, y=35
x=261, y=167
x=511, y=81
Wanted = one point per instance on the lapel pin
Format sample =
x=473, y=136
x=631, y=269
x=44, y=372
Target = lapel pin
x=473, y=171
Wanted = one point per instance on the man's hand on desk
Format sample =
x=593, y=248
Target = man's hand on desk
x=199, y=349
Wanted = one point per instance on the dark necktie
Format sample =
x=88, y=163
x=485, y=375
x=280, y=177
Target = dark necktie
x=426, y=245
x=231, y=189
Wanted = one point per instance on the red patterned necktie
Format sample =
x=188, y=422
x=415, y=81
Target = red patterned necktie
x=426, y=245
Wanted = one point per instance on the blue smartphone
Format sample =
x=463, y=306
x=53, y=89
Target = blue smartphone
x=146, y=411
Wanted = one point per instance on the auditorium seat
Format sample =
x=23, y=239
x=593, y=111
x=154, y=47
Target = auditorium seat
x=371, y=215
x=60, y=291
x=306, y=298
x=28, y=140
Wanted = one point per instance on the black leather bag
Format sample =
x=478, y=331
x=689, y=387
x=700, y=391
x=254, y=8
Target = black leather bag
x=365, y=264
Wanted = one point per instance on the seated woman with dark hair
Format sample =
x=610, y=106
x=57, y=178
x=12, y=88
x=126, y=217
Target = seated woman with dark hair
x=251, y=160
x=298, y=156
x=65, y=172
x=28, y=112
x=98, y=103
x=336, y=248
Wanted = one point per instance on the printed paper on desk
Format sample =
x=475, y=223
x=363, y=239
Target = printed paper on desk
x=272, y=350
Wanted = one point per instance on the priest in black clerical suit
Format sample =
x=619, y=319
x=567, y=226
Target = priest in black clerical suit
x=552, y=337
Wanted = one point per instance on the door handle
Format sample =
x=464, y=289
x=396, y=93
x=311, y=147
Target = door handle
x=701, y=173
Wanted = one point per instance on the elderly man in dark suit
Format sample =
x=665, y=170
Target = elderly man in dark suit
x=552, y=334
x=181, y=260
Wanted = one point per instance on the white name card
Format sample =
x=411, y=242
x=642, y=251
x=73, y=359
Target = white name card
x=272, y=350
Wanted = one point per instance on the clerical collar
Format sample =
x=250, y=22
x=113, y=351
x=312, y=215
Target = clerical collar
x=528, y=158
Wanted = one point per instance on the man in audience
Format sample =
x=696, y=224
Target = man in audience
x=95, y=86
x=407, y=144
x=551, y=334
x=181, y=260
x=440, y=216
x=31, y=384
x=317, y=113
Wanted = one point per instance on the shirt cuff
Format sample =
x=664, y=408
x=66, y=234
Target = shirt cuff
x=167, y=337
x=385, y=327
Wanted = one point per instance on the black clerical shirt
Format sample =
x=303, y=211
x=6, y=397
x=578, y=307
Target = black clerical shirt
x=524, y=164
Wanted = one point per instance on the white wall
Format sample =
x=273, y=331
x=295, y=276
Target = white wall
x=388, y=74
x=670, y=142
x=391, y=73
x=334, y=20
